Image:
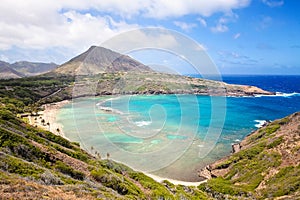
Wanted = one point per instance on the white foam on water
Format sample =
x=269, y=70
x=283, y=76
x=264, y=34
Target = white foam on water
x=143, y=123
x=260, y=123
x=109, y=109
x=280, y=94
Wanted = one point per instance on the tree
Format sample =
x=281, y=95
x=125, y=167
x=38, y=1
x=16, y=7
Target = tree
x=48, y=124
x=107, y=155
x=98, y=155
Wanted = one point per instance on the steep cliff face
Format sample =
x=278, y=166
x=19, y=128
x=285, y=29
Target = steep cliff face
x=267, y=164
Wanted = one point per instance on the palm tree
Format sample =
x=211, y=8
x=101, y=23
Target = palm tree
x=98, y=156
x=48, y=124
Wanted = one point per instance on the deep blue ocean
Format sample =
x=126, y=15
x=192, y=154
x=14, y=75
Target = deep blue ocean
x=275, y=83
x=168, y=134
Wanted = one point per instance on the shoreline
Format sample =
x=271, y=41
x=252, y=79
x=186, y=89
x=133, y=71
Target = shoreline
x=173, y=181
x=49, y=116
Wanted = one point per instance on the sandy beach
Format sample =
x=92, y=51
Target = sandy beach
x=47, y=118
x=175, y=182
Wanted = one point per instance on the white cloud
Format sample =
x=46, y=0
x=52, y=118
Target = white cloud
x=51, y=28
x=234, y=58
x=177, y=8
x=236, y=36
x=221, y=25
x=202, y=21
x=272, y=3
x=219, y=28
x=75, y=24
x=142, y=38
x=185, y=26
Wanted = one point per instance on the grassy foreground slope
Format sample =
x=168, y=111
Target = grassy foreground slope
x=36, y=164
x=267, y=165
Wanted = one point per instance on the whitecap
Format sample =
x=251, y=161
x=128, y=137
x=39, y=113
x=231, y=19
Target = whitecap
x=280, y=94
x=260, y=123
x=109, y=109
x=287, y=94
x=143, y=123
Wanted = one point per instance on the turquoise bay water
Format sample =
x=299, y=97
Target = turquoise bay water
x=168, y=135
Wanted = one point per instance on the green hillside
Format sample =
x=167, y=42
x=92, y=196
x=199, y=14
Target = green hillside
x=267, y=165
x=36, y=164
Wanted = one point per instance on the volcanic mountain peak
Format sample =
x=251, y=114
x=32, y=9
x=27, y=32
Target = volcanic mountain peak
x=100, y=60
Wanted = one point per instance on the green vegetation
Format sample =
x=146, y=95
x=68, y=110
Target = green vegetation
x=275, y=142
x=222, y=186
x=65, y=169
x=158, y=190
x=117, y=182
x=26, y=94
x=280, y=185
x=18, y=166
x=268, y=131
x=272, y=128
x=32, y=156
x=47, y=160
x=259, y=170
x=246, y=168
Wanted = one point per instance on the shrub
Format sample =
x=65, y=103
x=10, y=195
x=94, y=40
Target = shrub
x=284, y=121
x=271, y=129
x=285, y=182
x=65, y=169
x=158, y=191
x=6, y=115
x=15, y=165
x=221, y=185
x=20, y=147
x=55, y=138
x=79, y=154
x=116, y=182
x=275, y=142
x=49, y=179
x=114, y=166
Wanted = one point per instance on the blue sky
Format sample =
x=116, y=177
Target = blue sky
x=240, y=36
